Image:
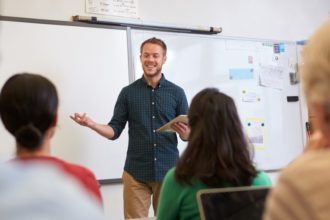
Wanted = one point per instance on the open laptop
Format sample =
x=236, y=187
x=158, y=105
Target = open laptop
x=233, y=203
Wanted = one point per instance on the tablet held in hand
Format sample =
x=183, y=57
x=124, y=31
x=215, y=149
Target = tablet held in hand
x=167, y=127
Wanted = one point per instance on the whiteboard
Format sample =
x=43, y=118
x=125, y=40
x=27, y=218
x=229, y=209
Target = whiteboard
x=198, y=61
x=89, y=67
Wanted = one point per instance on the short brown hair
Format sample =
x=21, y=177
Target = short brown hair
x=154, y=40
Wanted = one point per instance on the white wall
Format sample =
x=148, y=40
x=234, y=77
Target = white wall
x=113, y=201
x=270, y=19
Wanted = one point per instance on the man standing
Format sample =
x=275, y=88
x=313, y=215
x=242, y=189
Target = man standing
x=146, y=104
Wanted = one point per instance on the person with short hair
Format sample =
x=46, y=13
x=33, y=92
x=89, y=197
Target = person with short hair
x=217, y=155
x=146, y=104
x=302, y=191
x=29, y=111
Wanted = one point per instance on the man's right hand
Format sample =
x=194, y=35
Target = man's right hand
x=103, y=129
x=83, y=120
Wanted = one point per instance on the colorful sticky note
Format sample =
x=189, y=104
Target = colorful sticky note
x=277, y=48
x=282, y=47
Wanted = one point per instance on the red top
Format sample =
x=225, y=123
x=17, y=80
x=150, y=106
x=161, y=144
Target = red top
x=82, y=174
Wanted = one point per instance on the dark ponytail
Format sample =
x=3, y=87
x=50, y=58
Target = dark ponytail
x=29, y=136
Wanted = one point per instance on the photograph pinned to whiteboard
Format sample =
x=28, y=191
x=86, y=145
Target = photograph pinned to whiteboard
x=167, y=127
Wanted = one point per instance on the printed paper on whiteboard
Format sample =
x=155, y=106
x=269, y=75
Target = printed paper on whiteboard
x=250, y=96
x=122, y=8
x=271, y=76
x=256, y=129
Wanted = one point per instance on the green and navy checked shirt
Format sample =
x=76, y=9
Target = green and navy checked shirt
x=150, y=154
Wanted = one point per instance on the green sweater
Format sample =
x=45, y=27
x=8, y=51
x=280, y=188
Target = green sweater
x=179, y=201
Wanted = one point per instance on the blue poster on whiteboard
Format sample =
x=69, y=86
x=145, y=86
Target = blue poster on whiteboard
x=241, y=74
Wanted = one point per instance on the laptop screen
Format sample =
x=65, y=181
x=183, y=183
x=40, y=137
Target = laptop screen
x=235, y=203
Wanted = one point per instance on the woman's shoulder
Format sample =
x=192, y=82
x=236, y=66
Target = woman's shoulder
x=170, y=175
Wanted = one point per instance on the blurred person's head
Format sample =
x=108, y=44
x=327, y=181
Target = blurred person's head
x=28, y=109
x=315, y=74
x=217, y=150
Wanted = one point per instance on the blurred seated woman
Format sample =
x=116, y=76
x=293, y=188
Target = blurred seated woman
x=28, y=109
x=217, y=156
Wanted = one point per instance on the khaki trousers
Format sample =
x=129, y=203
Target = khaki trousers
x=137, y=197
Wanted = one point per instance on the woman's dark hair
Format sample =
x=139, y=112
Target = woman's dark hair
x=28, y=106
x=217, y=153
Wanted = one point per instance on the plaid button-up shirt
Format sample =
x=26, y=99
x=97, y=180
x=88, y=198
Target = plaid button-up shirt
x=150, y=154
